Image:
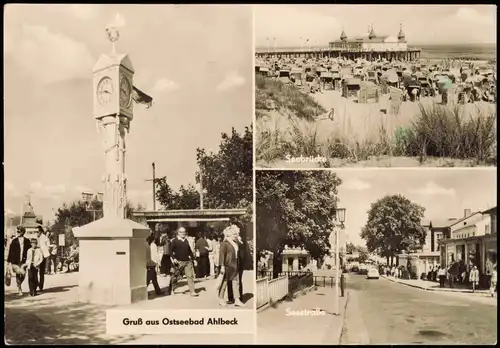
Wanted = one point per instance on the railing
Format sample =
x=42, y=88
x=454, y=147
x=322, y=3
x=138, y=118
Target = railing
x=278, y=288
x=299, y=282
x=262, y=292
x=318, y=280
x=324, y=281
x=269, y=291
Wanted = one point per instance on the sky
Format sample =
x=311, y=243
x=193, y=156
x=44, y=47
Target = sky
x=291, y=25
x=444, y=193
x=195, y=61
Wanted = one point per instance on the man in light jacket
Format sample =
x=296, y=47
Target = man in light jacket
x=44, y=245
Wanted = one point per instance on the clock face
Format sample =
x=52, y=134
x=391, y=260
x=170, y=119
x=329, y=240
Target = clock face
x=105, y=91
x=125, y=92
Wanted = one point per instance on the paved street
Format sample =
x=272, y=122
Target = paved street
x=385, y=312
x=277, y=326
x=55, y=317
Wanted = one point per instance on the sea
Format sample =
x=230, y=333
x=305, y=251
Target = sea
x=478, y=51
x=481, y=52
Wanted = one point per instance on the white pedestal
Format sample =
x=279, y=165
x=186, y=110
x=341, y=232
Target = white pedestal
x=112, y=269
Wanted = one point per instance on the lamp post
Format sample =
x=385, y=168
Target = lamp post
x=87, y=197
x=339, y=223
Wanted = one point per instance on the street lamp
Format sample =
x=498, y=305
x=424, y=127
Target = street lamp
x=339, y=223
x=87, y=197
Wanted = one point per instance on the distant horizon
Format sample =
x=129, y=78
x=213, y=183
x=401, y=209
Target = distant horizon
x=409, y=44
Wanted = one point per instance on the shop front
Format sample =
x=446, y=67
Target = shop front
x=490, y=254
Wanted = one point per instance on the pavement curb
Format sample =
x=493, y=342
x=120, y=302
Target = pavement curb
x=464, y=291
x=298, y=293
x=344, y=316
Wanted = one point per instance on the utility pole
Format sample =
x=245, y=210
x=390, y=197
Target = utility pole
x=154, y=187
x=201, y=188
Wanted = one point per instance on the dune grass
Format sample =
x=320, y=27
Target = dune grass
x=436, y=131
x=272, y=94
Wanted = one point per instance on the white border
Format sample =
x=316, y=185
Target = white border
x=254, y=215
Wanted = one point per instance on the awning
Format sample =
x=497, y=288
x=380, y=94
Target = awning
x=188, y=219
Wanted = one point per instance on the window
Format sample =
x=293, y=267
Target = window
x=487, y=229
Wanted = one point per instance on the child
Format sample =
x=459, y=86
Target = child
x=34, y=259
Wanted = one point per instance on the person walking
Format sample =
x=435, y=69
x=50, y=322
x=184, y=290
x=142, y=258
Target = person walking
x=16, y=260
x=165, y=263
x=202, y=251
x=228, y=256
x=52, y=260
x=493, y=281
x=211, y=255
x=474, y=278
x=241, y=265
x=34, y=262
x=183, y=260
x=43, y=246
x=216, y=248
x=442, y=276
x=151, y=264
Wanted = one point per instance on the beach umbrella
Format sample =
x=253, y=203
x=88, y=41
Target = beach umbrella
x=445, y=83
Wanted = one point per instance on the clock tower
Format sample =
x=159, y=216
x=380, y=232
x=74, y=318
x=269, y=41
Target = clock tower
x=113, y=86
x=113, y=249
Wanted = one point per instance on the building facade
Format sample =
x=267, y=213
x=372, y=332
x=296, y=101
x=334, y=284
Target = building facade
x=369, y=47
x=473, y=240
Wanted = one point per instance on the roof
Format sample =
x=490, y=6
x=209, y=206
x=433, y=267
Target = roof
x=442, y=223
x=464, y=218
x=106, y=61
x=189, y=213
x=490, y=211
x=450, y=222
x=364, y=39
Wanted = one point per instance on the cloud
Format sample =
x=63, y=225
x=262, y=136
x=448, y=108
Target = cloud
x=231, y=80
x=82, y=188
x=356, y=185
x=11, y=190
x=432, y=189
x=8, y=211
x=164, y=85
x=46, y=191
x=470, y=15
x=55, y=189
x=9, y=186
x=51, y=56
x=292, y=25
x=83, y=11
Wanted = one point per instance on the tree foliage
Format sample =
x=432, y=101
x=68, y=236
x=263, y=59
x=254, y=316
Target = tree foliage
x=394, y=224
x=187, y=197
x=77, y=213
x=227, y=178
x=361, y=250
x=295, y=208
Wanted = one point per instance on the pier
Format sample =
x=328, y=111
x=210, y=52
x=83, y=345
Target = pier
x=409, y=54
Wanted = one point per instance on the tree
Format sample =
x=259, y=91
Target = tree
x=394, y=225
x=77, y=214
x=227, y=177
x=295, y=208
x=362, y=251
x=350, y=248
x=187, y=197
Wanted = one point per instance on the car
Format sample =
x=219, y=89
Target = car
x=372, y=274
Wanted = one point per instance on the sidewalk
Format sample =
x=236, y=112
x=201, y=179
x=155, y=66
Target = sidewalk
x=56, y=317
x=279, y=325
x=431, y=286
